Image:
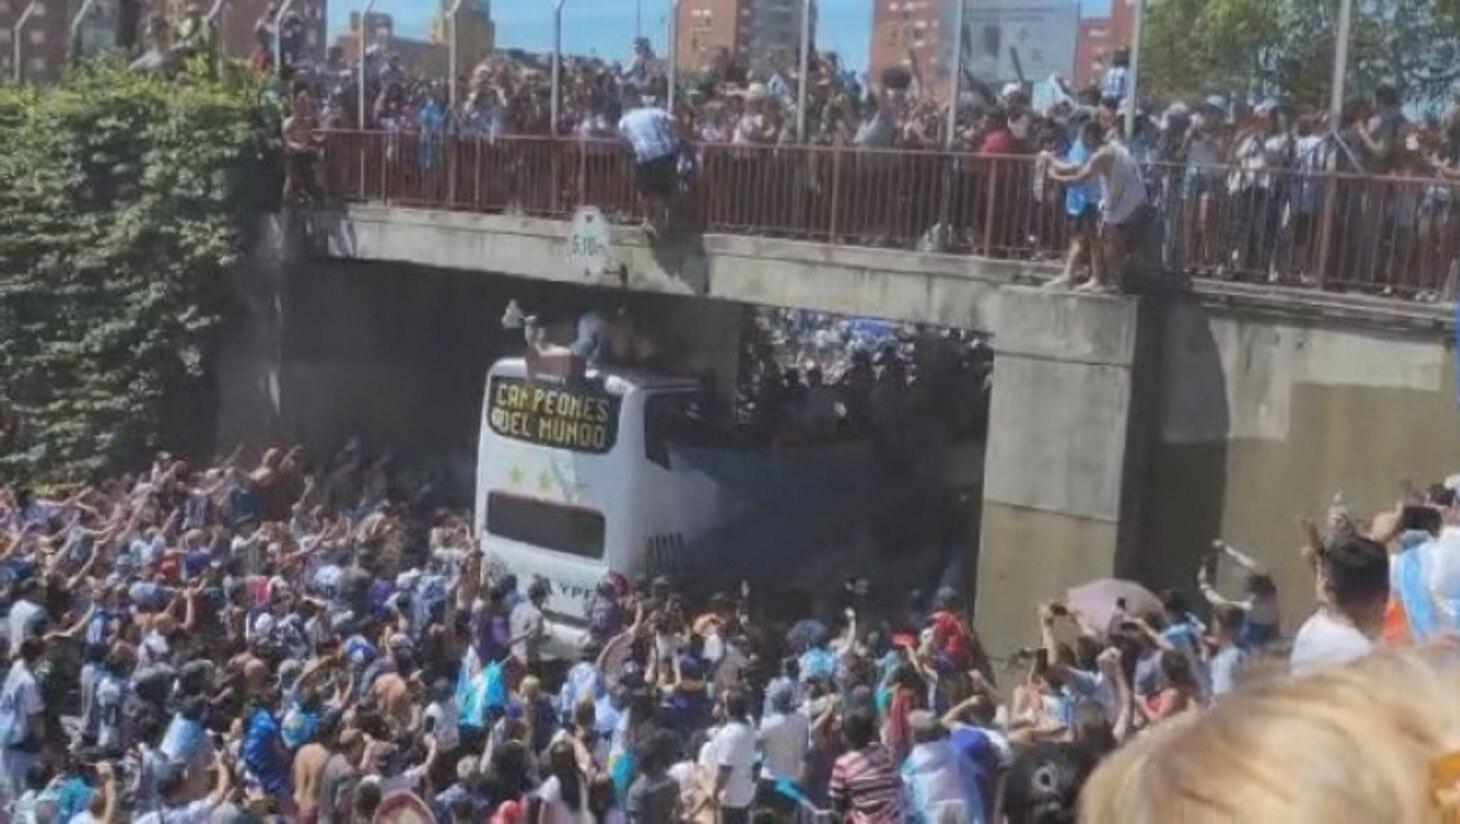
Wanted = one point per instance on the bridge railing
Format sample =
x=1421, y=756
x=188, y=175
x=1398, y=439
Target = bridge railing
x=1387, y=235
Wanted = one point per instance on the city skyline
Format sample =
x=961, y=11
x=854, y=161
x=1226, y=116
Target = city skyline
x=606, y=28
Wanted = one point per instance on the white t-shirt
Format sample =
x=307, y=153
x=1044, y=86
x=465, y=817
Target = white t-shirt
x=25, y=619
x=651, y=132
x=1325, y=640
x=19, y=701
x=734, y=747
x=783, y=742
x=444, y=724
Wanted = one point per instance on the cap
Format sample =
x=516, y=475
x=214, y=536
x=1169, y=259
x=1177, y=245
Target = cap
x=1265, y=108
x=757, y=91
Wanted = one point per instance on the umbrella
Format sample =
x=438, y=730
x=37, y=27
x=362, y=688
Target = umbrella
x=1096, y=601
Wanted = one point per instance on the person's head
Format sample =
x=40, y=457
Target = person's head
x=658, y=751
x=1176, y=670
x=1353, y=575
x=1175, y=605
x=1386, y=98
x=737, y=707
x=31, y=650
x=1092, y=134
x=1379, y=723
x=1227, y=621
x=1261, y=585
x=367, y=799
x=1044, y=782
x=563, y=763
x=584, y=714
x=537, y=593
x=1121, y=57
x=859, y=728
x=926, y=727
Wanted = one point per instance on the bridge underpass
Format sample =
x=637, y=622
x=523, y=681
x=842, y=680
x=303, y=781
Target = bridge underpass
x=1126, y=432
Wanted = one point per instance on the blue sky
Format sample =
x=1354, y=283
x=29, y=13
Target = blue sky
x=606, y=27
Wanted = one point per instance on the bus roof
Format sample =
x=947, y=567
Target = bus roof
x=625, y=378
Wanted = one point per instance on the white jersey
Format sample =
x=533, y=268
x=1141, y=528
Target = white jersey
x=1122, y=187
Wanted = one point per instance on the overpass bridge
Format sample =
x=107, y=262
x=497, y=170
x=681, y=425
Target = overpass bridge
x=1126, y=431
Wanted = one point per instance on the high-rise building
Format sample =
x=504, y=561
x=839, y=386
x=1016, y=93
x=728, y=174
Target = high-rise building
x=239, y=19
x=419, y=57
x=43, y=42
x=913, y=33
x=475, y=34
x=1098, y=39
x=758, y=34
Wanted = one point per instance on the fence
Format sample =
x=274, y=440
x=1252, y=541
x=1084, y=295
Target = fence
x=1397, y=236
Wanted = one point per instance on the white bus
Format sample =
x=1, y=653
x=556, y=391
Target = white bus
x=615, y=471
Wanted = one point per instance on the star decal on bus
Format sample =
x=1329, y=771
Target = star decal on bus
x=515, y=475
x=544, y=481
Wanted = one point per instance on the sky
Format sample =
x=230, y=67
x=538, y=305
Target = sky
x=607, y=27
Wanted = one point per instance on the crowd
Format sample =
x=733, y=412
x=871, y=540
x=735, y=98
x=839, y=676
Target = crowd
x=315, y=641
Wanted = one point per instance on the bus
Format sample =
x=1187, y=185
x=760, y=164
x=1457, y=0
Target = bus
x=618, y=470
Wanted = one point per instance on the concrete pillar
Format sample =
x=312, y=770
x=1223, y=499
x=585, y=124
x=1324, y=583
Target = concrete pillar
x=1065, y=459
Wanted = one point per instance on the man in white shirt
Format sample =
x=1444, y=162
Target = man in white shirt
x=1353, y=578
x=733, y=749
x=650, y=131
x=22, y=721
x=784, y=737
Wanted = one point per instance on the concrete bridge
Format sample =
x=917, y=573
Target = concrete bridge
x=1126, y=432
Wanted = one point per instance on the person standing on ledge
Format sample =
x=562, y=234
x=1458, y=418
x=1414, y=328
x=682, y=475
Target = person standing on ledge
x=1122, y=198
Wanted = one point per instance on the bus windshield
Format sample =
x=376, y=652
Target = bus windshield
x=574, y=530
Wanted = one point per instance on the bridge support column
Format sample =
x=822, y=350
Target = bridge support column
x=1066, y=452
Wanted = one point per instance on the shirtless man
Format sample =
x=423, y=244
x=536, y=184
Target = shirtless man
x=309, y=764
x=393, y=698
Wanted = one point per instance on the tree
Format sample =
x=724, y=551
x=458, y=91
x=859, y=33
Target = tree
x=123, y=199
x=1249, y=49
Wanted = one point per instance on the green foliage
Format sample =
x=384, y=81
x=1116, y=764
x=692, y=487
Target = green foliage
x=1284, y=48
x=123, y=203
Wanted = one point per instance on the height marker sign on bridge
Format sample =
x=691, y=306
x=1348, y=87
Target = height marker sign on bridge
x=589, y=243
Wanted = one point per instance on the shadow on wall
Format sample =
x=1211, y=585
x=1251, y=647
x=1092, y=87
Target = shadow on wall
x=1187, y=469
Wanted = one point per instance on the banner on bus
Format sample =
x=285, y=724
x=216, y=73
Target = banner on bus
x=580, y=418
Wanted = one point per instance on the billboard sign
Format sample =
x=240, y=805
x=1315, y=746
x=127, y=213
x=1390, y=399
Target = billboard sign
x=1021, y=40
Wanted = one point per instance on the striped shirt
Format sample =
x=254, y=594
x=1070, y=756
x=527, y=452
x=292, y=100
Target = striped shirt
x=866, y=785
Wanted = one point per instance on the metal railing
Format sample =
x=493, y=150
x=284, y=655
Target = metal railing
x=1388, y=235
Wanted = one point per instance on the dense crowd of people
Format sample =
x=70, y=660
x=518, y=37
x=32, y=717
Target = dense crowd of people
x=312, y=641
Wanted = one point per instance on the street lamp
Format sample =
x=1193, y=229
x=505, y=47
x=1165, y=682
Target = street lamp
x=1133, y=87
x=364, y=30
x=673, y=55
x=279, y=34
x=955, y=85
x=557, y=63
x=451, y=51
x=805, y=68
x=15, y=32
x=74, y=41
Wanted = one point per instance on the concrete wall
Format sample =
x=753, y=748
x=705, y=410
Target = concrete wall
x=1265, y=417
x=1062, y=480
x=944, y=290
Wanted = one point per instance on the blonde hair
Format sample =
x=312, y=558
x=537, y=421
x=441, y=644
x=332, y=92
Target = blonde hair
x=1352, y=743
